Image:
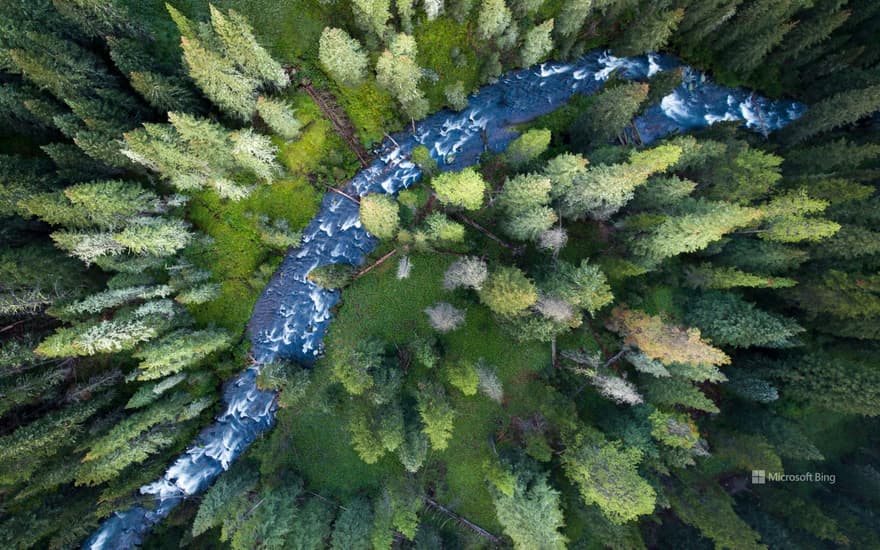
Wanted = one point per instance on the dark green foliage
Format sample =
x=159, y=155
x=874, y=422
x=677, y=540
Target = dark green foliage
x=728, y=320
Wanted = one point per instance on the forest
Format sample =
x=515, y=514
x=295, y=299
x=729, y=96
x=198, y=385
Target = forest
x=440, y=274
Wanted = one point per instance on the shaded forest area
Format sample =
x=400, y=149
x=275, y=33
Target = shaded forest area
x=581, y=342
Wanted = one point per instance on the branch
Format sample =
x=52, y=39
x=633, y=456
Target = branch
x=463, y=520
x=374, y=264
x=487, y=233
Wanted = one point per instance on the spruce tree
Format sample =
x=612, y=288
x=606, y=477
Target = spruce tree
x=342, y=57
x=398, y=73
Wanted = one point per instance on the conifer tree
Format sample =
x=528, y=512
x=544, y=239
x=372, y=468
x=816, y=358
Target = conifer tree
x=527, y=147
x=179, y=350
x=398, y=73
x=610, y=112
x=436, y=413
x=529, y=511
x=664, y=342
x=606, y=474
x=494, y=18
x=572, y=17
x=279, y=117
x=654, y=30
x=728, y=320
x=699, y=224
x=508, y=292
x=342, y=57
x=351, y=531
x=537, y=43
x=838, y=110
x=372, y=15
x=604, y=189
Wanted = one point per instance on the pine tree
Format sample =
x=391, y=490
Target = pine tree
x=699, y=224
x=180, y=350
x=230, y=90
x=651, y=34
x=572, y=17
x=664, y=342
x=610, y=112
x=563, y=170
x=352, y=365
x=436, y=413
x=239, y=45
x=494, y=18
x=342, y=57
x=584, y=286
x=440, y=231
x=456, y=96
x=279, y=117
x=606, y=474
x=372, y=15
x=709, y=276
x=838, y=110
x=728, y=320
x=398, y=73
x=706, y=506
x=530, y=513
x=604, y=189
x=379, y=215
x=537, y=43
x=508, y=292
x=527, y=147
x=351, y=531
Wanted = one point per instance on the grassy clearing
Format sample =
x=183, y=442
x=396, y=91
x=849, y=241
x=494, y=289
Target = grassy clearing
x=446, y=47
x=380, y=305
x=237, y=251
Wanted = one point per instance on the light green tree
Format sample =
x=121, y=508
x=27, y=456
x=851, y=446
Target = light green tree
x=463, y=189
x=537, y=44
x=508, y=292
x=342, y=57
x=379, y=214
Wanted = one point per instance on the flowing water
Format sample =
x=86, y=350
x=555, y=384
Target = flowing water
x=292, y=314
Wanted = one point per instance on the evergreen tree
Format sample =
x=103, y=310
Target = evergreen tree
x=342, y=57
x=352, y=365
x=527, y=147
x=728, y=320
x=838, y=110
x=279, y=117
x=494, y=18
x=398, y=73
x=436, y=413
x=351, y=531
x=653, y=32
x=508, y=292
x=698, y=224
x=537, y=43
x=572, y=16
x=664, y=342
x=529, y=511
x=604, y=189
x=372, y=15
x=179, y=350
x=610, y=112
x=606, y=475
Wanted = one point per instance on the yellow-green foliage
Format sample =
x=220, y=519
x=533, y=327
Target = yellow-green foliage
x=237, y=250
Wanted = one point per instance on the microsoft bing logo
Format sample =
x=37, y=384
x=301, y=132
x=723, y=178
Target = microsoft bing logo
x=759, y=477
